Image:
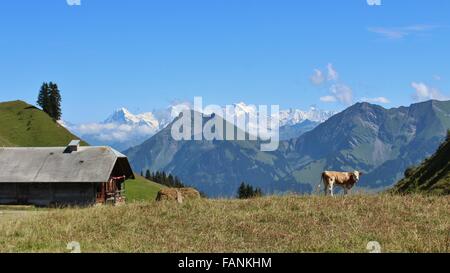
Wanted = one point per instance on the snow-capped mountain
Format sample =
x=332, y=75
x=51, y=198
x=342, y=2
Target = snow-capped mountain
x=123, y=129
x=123, y=116
x=292, y=122
x=167, y=115
x=288, y=117
x=296, y=116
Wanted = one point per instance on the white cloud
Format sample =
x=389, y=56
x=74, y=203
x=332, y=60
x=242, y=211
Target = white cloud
x=425, y=92
x=342, y=93
x=328, y=99
x=382, y=100
x=374, y=2
x=339, y=92
x=112, y=131
x=332, y=73
x=437, y=77
x=317, y=78
x=389, y=33
x=73, y=2
x=396, y=33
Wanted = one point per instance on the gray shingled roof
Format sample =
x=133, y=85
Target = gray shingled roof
x=52, y=165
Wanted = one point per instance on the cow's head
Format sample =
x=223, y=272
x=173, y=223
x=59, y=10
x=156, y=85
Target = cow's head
x=356, y=175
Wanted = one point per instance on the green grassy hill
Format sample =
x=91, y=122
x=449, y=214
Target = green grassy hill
x=412, y=223
x=432, y=176
x=141, y=189
x=24, y=125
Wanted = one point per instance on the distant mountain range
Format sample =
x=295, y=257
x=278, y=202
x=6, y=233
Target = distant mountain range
x=215, y=167
x=123, y=129
x=380, y=142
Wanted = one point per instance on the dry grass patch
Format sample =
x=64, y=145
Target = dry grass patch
x=270, y=224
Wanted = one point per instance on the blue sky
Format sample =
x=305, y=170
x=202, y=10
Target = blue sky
x=144, y=54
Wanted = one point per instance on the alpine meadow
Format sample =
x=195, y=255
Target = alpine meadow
x=228, y=136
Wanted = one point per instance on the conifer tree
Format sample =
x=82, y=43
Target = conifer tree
x=44, y=97
x=246, y=191
x=54, y=101
x=49, y=99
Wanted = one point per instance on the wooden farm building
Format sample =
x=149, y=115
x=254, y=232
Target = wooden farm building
x=71, y=175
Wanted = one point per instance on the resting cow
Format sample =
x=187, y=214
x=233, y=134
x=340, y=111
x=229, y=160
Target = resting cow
x=345, y=180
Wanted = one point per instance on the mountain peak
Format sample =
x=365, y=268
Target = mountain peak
x=122, y=109
x=243, y=107
x=123, y=129
x=124, y=116
x=364, y=107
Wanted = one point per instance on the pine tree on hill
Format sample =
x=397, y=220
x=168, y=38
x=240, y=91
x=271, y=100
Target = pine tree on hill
x=55, y=101
x=44, y=98
x=49, y=99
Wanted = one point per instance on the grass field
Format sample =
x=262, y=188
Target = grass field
x=10, y=214
x=271, y=224
x=24, y=125
x=141, y=189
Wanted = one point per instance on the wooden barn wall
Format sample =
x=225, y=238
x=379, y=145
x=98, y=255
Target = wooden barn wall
x=8, y=193
x=45, y=194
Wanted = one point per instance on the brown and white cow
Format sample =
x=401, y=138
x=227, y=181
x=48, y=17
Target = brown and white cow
x=346, y=180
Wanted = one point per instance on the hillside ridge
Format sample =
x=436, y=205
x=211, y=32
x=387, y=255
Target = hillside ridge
x=24, y=125
x=431, y=176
